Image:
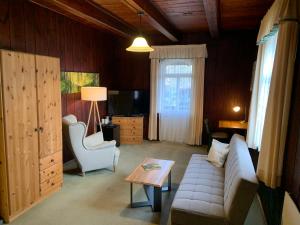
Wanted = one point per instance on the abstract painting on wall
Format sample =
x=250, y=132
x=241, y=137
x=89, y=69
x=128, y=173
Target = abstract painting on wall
x=71, y=82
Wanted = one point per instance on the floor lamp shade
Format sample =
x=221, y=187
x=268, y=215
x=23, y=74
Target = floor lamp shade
x=94, y=94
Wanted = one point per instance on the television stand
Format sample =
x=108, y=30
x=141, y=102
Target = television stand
x=131, y=128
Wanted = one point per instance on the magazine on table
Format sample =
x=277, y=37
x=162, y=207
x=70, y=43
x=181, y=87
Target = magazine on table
x=151, y=166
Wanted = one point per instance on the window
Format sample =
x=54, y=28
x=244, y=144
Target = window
x=175, y=81
x=267, y=60
x=174, y=98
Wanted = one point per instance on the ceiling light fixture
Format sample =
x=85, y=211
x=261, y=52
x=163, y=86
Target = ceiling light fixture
x=139, y=44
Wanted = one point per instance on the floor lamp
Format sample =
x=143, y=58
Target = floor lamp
x=94, y=94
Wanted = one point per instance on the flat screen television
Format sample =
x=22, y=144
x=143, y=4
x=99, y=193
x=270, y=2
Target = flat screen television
x=128, y=103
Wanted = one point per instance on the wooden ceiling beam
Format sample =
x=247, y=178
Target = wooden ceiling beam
x=154, y=18
x=84, y=12
x=212, y=12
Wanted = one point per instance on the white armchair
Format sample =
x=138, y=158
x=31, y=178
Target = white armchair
x=91, y=152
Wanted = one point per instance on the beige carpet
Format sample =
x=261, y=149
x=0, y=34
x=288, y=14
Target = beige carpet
x=102, y=197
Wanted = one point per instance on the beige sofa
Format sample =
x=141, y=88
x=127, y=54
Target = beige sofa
x=208, y=195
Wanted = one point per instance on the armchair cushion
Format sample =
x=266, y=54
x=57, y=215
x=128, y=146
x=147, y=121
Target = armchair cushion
x=94, y=139
x=104, y=144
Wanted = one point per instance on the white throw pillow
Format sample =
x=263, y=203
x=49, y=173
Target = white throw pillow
x=218, y=153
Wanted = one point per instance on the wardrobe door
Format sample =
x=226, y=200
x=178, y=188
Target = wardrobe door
x=21, y=136
x=49, y=105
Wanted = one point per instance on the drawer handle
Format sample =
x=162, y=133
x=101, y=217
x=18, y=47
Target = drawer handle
x=52, y=184
x=52, y=160
x=52, y=172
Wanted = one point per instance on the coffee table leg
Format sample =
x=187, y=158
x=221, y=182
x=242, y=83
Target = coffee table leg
x=153, y=200
x=131, y=202
x=169, y=181
x=139, y=204
x=168, y=188
x=157, y=199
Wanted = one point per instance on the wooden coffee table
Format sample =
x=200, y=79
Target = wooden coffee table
x=152, y=181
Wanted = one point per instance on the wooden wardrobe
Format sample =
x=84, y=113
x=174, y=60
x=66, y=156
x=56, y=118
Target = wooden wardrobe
x=30, y=131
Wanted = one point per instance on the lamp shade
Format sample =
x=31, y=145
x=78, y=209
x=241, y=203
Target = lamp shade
x=139, y=44
x=236, y=108
x=93, y=93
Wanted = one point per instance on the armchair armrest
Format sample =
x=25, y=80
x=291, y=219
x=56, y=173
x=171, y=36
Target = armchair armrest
x=103, y=145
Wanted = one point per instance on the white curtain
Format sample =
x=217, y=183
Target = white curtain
x=270, y=162
x=154, y=71
x=177, y=87
x=174, y=99
x=197, y=98
x=283, y=16
x=260, y=91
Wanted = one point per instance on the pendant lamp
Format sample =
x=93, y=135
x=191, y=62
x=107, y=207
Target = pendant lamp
x=139, y=44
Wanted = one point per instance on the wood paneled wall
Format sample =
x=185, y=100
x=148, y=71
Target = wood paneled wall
x=27, y=27
x=228, y=72
x=291, y=172
x=81, y=48
x=228, y=76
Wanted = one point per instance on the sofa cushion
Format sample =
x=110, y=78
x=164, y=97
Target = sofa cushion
x=240, y=181
x=218, y=153
x=200, y=196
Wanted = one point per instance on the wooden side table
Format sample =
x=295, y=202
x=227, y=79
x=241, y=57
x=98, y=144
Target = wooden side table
x=110, y=132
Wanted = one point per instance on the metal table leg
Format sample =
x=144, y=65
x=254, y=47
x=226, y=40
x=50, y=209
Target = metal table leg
x=168, y=188
x=131, y=203
x=138, y=204
x=153, y=195
x=169, y=182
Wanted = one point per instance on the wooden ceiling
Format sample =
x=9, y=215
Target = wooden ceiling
x=170, y=18
x=242, y=14
x=127, y=13
x=186, y=15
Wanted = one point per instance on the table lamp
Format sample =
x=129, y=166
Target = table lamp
x=94, y=94
x=237, y=109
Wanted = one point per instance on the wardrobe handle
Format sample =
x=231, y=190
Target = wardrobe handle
x=41, y=129
x=36, y=129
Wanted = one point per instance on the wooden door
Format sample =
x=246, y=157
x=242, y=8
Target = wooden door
x=21, y=136
x=49, y=105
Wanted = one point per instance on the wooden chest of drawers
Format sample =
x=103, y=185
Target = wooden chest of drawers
x=131, y=129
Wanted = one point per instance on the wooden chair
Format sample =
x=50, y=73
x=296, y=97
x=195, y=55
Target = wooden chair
x=220, y=136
